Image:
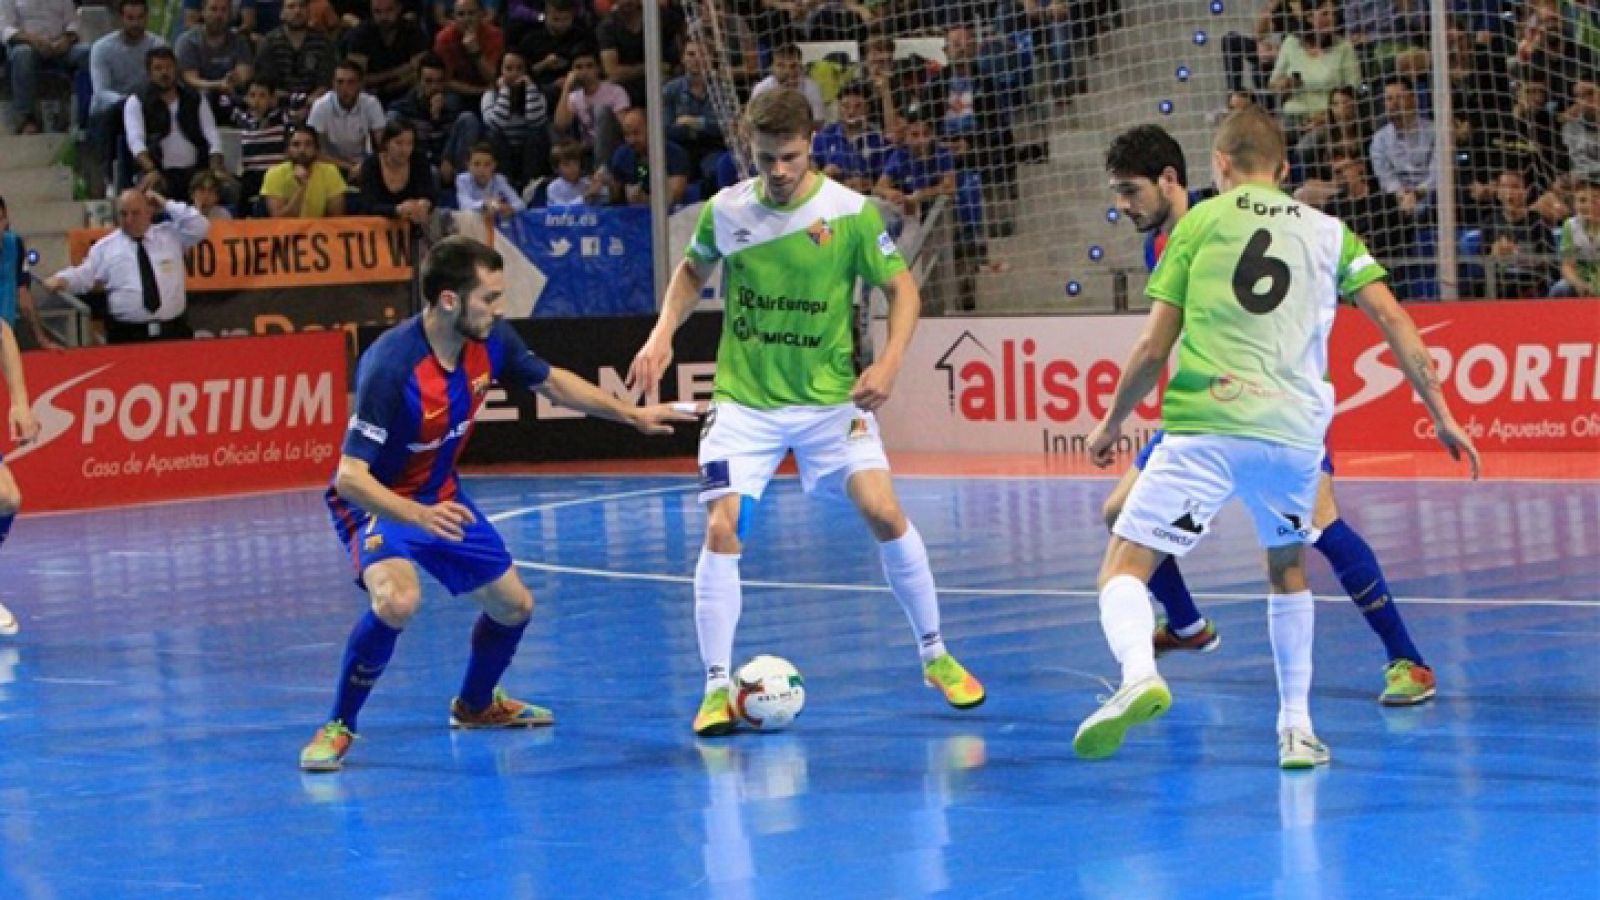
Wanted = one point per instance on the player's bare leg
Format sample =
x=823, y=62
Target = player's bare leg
x=905, y=565
x=1184, y=627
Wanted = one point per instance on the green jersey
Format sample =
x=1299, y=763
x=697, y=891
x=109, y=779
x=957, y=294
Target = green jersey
x=1258, y=276
x=788, y=290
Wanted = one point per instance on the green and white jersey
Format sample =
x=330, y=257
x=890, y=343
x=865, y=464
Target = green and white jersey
x=789, y=284
x=1258, y=276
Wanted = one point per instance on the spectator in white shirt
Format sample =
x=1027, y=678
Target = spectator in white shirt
x=40, y=35
x=481, y=187
x=788, y=71
x=141, y=266
x=590, y=109
x=349, y=120
x=169, y=129
x=1402, y=151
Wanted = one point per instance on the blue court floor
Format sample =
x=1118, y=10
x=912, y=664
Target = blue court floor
x=174, y=659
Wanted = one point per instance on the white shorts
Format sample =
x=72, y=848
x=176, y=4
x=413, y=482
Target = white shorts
x=1190, y=476
x=741, y=447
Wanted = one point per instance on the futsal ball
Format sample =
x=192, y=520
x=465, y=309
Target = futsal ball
x=768, y=693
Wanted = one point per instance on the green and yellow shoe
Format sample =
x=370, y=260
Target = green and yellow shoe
x=502, y=712
x=715, y=717
x=326, y=751
x=960, y=689
x=1102, y=732
x=1406, y=683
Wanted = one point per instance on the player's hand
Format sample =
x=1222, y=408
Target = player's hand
x=447, y=519
x=650, y=364
x=1102, y=440
x=658, y=419
x=24, y=426
x=1455, y=439
x=56, y=284
x=873, y=388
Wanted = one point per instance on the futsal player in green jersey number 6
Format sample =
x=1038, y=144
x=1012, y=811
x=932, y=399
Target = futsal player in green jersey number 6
x=792, y=243
x=1250, y=280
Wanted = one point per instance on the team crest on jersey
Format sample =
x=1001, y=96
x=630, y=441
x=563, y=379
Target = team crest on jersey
x=480, y=385
x=820, y=233
x=372, y=543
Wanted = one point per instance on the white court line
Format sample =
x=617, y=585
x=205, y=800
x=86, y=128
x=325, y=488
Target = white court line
x=972, y=592
x=1016, y=592
x=579, y=501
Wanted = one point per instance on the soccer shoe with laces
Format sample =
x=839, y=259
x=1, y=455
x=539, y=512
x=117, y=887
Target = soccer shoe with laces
x=502, y=712
x=1165, y=640
x=1101, y=734
x=1406, y=683
x=715, y=717
x=1298, y=748
x=326, y=751
x=8, y=622
x=960, y=689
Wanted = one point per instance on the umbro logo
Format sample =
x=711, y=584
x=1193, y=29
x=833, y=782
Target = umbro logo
x=742, y=235
x=1187, y=524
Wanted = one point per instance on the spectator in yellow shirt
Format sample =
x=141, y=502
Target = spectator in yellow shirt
x=302, y=187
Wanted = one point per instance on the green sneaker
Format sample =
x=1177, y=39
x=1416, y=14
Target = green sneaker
x=960, y=689
x=502, y=712
x=1101, y=734
x=326, y=751
x=1406, y=683
x=716, y=714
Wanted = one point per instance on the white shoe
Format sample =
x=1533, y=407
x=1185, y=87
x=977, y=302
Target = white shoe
x=1101, y=734
x=1298, y=748
x=8, y=622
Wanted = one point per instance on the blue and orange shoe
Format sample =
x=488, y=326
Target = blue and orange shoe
x=1165, y=640
x=960, y=689
x=715, y=717
x=502, y=712
x=327, y=749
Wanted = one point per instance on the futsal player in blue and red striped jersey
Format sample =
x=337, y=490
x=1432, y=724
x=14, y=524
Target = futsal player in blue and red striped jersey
x=397, y=501
x=1149, y=181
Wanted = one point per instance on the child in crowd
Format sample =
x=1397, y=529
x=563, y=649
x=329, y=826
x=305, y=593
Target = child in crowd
x=570, y=187
x=262, y=137
x=481, y=187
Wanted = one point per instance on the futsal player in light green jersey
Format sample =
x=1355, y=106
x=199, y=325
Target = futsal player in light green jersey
x=793, y=244
x=1250, y=280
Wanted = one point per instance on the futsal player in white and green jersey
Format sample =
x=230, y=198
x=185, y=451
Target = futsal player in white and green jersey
x=792, y=244
x=1250, y=280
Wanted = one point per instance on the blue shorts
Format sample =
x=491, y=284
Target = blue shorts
x=461, y=566
x=1143, y=459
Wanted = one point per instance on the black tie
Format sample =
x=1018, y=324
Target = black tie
x=147, y=279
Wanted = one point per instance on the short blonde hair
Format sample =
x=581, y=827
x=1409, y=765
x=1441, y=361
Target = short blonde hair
x=1251, y=138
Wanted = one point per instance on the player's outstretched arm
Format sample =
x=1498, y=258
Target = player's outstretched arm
x=24, y=427
x=569, y=390
x=876, y=383
x=683, y=293
x=1139, y=375
x=1379, y=304
x=354, y=482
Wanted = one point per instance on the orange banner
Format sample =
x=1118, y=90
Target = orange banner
x=287, y=253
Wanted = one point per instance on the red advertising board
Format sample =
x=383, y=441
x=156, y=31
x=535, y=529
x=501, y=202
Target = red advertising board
x=165, y=421
x=1520, y=376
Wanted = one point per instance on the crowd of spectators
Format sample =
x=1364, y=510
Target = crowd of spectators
x=403, y=107
x=1350, y=82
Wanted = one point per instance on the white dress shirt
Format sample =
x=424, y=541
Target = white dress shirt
x=114, y=262
x=176, y=150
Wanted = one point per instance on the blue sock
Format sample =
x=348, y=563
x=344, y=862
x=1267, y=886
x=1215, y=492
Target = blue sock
x=1166, y=583
x=493, y=645
x=1358, y=570
x=366, y=655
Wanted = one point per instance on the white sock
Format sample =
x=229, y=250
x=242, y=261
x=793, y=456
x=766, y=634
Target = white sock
x=717, y=602
x=905, y=564
x=1128, y=621
x=1292, y=620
